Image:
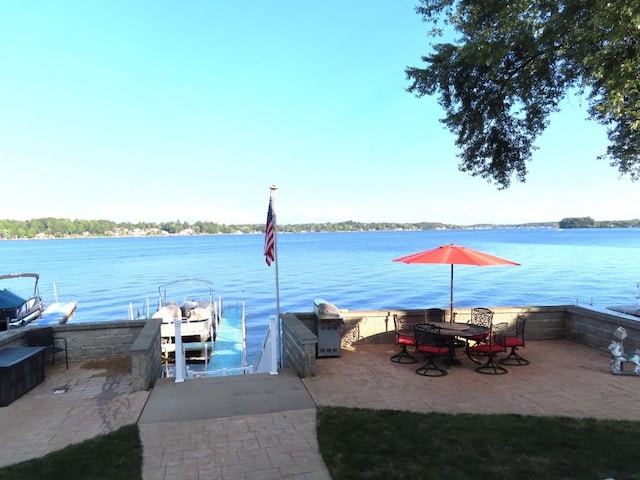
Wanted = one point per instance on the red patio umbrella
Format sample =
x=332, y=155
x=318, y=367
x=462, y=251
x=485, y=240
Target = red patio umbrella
x=455, y=255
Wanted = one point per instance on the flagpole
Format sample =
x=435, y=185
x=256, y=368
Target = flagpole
x=272, y=199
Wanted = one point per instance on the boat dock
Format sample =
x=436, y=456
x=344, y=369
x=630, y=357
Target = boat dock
x=229, y=352
x=56, y=313
x=224, y=356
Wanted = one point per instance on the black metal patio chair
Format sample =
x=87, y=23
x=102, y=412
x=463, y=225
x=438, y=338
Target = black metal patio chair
x=405, y=338
x=432, y=345
x=489, y=348
x=43, y=337
x=514, y=340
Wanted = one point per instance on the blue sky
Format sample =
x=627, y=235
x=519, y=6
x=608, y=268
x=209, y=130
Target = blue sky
x=159, y=110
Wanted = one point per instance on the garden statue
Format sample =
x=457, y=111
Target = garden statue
x=618, y=356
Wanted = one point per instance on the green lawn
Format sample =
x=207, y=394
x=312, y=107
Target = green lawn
x=388, y=444
x=367, y=444
x=115, y=456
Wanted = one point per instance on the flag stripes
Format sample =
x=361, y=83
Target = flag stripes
x=270, y=236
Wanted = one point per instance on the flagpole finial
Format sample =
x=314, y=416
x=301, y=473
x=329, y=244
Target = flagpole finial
x=273, y=187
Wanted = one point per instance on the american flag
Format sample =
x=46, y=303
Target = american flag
x=270, y=236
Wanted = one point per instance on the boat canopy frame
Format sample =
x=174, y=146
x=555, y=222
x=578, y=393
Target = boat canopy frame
x=181, y=286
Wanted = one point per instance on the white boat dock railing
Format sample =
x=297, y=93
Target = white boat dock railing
x=268, y=360
x=181, y=362
x=145, y=314
x=244, y=337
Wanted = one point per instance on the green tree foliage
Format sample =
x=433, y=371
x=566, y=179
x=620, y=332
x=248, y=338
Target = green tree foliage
x=577, y=222
x=512, y=64
x=65, y=228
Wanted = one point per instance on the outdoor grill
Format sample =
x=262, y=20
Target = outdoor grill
x=329, y=323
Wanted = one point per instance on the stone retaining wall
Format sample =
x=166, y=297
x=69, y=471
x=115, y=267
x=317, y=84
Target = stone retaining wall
x=12, y=338
x=582, y=325
x=103, y=340
x=596, y=328
x=140, y=339
x=86, y=341
x=98, y=340
x=146, y=356
x=299, y=343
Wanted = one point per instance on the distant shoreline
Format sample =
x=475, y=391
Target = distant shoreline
x=165, y=234
x=52, y=228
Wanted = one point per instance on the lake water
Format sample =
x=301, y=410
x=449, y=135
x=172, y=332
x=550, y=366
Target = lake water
x=590, y=267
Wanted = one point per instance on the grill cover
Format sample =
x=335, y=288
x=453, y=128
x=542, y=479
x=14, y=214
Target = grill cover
x=324, y=310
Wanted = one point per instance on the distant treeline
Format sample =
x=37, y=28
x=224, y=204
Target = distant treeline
x=588, y=222
x=64, y=228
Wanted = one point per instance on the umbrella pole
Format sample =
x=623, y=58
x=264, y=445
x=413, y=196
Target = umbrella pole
x=451, y=302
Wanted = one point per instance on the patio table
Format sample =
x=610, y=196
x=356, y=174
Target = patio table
x=453, y=330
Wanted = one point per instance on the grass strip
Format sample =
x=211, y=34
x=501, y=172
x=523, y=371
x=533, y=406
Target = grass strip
x=113, y=456
x=388, y=444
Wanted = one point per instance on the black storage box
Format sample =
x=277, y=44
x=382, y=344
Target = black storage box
x=21, y=369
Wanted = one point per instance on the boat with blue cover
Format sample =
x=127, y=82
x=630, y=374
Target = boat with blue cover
x=22, y=304
x=20, y=300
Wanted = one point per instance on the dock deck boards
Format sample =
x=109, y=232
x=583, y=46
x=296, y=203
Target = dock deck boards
x=229, y=349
